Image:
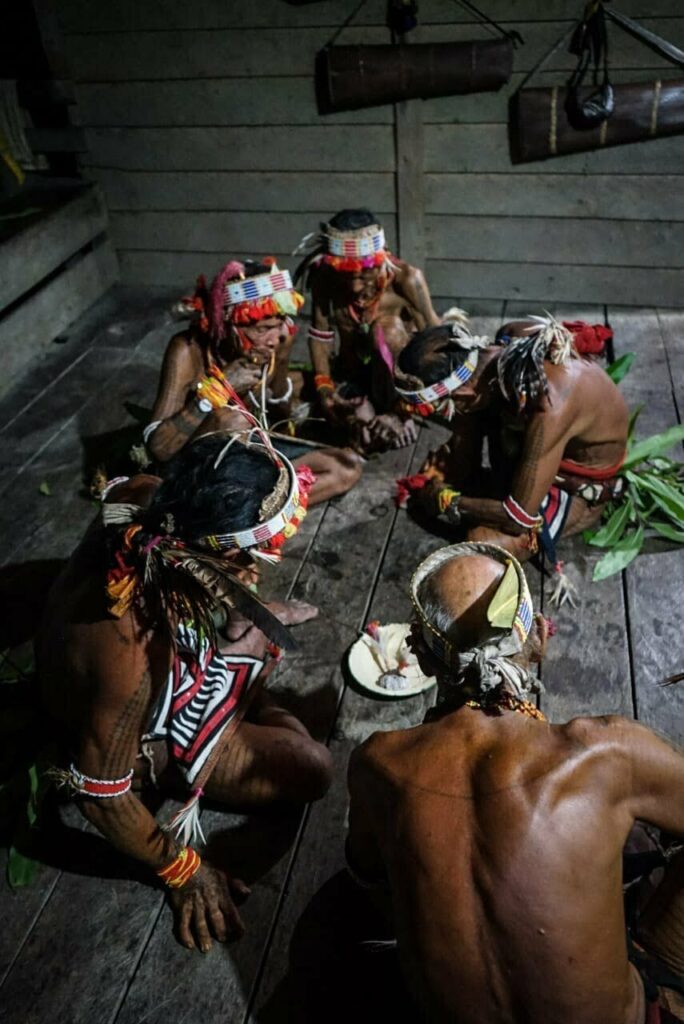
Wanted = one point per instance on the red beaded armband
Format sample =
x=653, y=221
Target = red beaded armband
x=179, y=871
x=322, y=382
x=518, y=514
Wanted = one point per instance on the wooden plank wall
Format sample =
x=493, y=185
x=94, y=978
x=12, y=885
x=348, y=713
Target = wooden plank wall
x=203, y=131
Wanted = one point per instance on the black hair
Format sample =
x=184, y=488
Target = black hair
x=352, y=220
x=206, y=500
x=419, y=358
x=254, y=267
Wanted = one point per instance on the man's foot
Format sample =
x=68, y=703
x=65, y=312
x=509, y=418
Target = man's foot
x=292, y=613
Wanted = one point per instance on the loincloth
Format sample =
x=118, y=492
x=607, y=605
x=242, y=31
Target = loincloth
x=595, y=485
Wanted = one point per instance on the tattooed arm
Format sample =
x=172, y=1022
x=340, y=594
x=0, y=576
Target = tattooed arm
x=123, y=666
x=176, y=404
x=545, y=439
x=110, y=738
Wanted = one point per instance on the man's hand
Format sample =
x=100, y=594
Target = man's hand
x=337, y=410
x=244, y=376
x=389, y=431
x=204, y=908
x=427, y=498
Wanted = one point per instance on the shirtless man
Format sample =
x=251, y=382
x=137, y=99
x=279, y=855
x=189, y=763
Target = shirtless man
x=556, y=427
x=375, y=301
x=132, y=673
x=496, y=835
x=243, y=329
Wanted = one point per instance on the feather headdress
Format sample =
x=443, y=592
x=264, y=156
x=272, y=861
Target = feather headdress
x=521, y=372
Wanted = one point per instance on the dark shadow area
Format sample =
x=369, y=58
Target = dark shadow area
x=256, y=844
x=23, y=591
x=109, y=453
x=340, y=967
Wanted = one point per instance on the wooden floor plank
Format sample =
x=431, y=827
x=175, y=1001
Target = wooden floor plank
x=126, y=964
x=20, y=909
x=671, y=328
x=651, y=582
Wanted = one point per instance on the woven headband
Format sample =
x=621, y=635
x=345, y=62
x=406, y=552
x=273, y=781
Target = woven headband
x=443, y=388
x=513, y=616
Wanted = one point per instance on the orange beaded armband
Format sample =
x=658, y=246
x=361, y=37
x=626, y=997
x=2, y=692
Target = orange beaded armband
x=181, y=870
x=323, y=383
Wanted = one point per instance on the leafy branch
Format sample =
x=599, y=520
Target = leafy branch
x=651, y=505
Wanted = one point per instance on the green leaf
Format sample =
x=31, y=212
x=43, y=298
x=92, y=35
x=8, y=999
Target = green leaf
x=667, y=531
x=613, y=529
x=668, y=498
x=632, y=421
x=619, y=557
x=621, y=367
x=45, y=489
x=655, y=445
x=21, y=870
x=33, y=805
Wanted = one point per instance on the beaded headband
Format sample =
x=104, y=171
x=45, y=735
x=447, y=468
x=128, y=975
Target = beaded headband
x=282, y=511
x=355, y=244
x=443, y=388
x=518, y=622
x=262, y=286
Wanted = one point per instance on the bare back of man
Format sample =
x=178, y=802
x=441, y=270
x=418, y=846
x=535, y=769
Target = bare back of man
x=501, y=840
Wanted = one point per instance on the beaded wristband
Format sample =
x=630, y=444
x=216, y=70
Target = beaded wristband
x=179, y=871
x=322, y=382
x=518, y=514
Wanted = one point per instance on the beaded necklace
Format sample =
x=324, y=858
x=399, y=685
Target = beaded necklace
x=506, y=701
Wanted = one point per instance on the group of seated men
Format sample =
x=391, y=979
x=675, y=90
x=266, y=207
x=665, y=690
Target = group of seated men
x=494, y=838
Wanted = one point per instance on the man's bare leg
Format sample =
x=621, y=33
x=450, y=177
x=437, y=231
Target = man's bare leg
x=517, y=545
x=337, y=471
x=270, y=758
x=582, y=516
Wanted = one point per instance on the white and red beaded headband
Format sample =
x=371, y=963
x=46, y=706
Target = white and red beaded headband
x=443, y=388
x=355, y=244
x=286, y=494
x=262, y=286
x=512, y=600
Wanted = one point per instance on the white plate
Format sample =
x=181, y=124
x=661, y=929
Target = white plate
x=366, y=669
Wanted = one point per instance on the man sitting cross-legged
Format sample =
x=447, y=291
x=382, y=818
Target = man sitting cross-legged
x=375, y=301
x=555, y=423
x=142, y=693
x=497, y=836
x=238, y=343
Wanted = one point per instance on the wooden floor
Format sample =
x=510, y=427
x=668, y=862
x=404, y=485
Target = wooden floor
x=91, y=940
